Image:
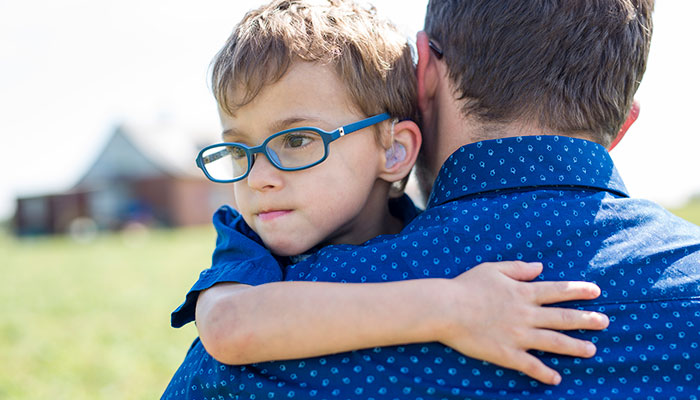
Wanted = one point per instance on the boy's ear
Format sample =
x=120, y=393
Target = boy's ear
x=401, y=153
x=631, y=117
x=426, y=72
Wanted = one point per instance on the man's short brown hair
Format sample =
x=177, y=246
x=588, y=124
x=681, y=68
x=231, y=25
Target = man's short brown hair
x=569, y=65
x=371, y=57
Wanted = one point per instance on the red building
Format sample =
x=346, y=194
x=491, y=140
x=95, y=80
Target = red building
x=145, y=175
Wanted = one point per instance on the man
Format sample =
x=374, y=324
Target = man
x=519, y=101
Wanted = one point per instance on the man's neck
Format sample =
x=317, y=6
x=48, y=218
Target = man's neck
x=446, y=129
x=452, y=130
x=468, y=130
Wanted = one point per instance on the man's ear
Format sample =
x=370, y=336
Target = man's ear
x=401, y=153
x=631, y=117
x=426, y=72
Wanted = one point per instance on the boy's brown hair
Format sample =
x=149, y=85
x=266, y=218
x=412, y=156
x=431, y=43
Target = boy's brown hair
x=569, y=65
x=371, y=57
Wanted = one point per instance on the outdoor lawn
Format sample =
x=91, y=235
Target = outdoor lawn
x=91, y=320
x=690, y=211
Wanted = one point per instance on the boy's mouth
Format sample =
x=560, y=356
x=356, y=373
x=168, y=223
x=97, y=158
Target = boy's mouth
x=272, y=214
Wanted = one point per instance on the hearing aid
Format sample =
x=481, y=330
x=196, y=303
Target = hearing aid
x=397, y=152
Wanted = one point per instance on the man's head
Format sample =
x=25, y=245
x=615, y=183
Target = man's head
x=569, y=65
x=322, y=64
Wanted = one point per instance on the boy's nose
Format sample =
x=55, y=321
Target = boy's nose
x=263, y=175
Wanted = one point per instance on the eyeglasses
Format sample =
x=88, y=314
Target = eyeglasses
x=289, y=150
x=433, y=47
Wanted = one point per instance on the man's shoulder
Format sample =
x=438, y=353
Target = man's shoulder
x=647, y=219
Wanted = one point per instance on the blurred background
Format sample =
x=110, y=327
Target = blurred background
x=103, y=106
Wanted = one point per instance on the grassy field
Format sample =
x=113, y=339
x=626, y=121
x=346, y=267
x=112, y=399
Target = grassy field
x=690, y=211
x=91, y=321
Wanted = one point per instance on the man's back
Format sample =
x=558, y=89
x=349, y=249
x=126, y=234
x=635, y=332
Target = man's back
x=551, y=199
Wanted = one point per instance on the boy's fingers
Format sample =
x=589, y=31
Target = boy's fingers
x=568, y=319
x=559, y=343
x=534, y=368
x=518, y=270
x=555, y=292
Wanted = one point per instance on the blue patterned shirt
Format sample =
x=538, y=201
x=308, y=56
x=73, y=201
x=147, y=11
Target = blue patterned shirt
x=552, y=199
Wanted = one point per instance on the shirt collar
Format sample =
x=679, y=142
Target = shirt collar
x=525, y=162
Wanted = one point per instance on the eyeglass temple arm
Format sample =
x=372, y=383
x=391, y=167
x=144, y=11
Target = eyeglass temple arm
x=356, y=126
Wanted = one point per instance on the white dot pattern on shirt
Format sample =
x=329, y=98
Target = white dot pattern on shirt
x=648, y=272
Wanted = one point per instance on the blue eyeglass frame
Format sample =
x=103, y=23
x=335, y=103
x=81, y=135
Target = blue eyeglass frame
x=327, y=137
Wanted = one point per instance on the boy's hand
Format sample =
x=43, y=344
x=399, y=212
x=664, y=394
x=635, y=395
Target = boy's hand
x=513, y=319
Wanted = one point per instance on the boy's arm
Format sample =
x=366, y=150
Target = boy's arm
x=486, y=313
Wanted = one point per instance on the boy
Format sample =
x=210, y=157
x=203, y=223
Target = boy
x=290, y=65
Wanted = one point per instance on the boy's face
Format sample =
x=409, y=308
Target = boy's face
x=341, y=200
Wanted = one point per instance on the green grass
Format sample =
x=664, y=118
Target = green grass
x=690, y=211
x=91, y=321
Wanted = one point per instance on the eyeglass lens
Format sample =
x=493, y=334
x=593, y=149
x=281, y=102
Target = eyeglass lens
x=225, y=162
x=297, y=149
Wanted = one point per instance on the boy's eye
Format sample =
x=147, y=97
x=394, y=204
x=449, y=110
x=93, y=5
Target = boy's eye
x=299, y=139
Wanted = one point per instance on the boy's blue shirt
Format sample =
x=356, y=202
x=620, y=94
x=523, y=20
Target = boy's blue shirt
x=551, y=199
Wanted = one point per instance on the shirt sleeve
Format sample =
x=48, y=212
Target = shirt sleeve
x=240, y=256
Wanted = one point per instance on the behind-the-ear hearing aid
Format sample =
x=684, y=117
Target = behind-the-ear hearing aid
x=397, y=152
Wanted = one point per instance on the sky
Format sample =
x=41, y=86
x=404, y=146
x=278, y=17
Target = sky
x=71, y=70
